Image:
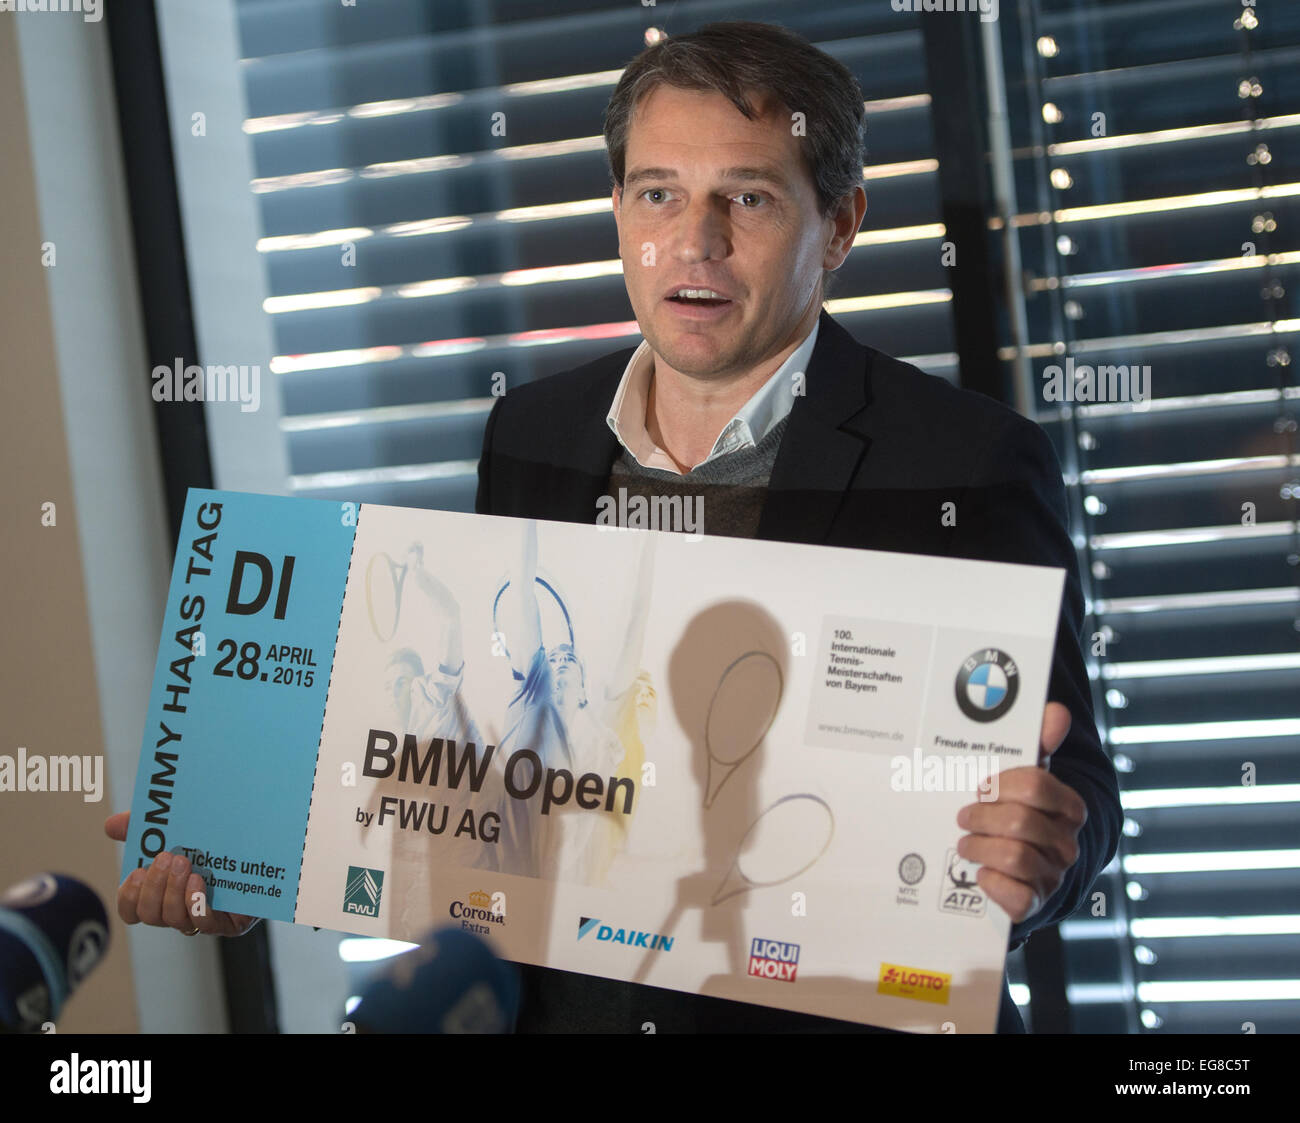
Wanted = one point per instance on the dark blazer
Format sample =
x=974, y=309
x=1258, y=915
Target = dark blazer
x=870, y=453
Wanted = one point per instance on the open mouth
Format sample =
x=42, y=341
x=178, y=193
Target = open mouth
x=699, y=303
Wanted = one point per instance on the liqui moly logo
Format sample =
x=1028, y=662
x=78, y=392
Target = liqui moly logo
x=771, y=959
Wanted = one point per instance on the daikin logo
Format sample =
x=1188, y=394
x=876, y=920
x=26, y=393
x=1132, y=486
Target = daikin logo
x=632, y=937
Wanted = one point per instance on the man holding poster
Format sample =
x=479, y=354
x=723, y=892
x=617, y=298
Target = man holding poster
x=749, y=400
x=747, y=403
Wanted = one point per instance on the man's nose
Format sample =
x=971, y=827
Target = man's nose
x=703, y=231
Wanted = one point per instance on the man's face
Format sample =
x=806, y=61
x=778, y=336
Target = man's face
x=718, y=202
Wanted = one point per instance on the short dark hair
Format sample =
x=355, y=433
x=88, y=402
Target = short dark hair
x=738, y=58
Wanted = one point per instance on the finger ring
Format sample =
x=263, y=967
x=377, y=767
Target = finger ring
x=191, y=932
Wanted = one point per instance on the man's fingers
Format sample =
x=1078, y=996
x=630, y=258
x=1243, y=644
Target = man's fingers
x=1024, y=861
x=128, y=896
x=152, y=892
x=1014, y=874
x=115, y=826
x=202, y=916
x=1054, y=835
x=1016, y=898
x=169, y=894
x=1056, y=724
x=176, y=908
x=1034, y=788
x=196, y=905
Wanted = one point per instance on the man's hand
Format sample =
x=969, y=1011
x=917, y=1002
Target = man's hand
x=1026, y=839
x=168, y=894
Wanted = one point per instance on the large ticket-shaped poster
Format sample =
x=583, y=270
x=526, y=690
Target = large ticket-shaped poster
x=722, y=766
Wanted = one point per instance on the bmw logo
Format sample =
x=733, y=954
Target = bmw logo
x=987, y=685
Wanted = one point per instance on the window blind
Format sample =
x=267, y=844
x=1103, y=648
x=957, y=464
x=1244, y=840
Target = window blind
x=435, y=206
x=1158, y=175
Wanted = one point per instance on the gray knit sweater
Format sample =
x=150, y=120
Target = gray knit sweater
x=723, y=497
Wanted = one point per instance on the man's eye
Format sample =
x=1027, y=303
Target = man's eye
x=654, y=191
x=753, y=195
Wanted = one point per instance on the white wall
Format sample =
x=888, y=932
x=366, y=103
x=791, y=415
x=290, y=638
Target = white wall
x=103, y=381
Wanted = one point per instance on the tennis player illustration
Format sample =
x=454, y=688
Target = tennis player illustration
x=422, y=679
x=552, y=715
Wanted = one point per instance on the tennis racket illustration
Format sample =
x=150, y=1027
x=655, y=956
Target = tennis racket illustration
x=384, y=580
x=500, y=635
x=786, y=840
x=742, y=710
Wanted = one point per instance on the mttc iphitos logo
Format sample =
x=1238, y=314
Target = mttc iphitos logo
x=772, y=959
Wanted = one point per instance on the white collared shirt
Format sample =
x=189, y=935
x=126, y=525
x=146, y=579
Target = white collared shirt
x=755, y=419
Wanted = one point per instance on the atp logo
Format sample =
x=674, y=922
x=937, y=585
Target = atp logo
x=987, y=685
x=960, y=892
x=363, y=891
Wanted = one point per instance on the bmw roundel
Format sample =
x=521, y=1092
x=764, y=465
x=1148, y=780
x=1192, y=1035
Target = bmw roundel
x=987, y=685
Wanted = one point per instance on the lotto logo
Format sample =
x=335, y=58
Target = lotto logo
x=914, y=983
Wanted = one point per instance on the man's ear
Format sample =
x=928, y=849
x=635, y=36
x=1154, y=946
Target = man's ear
x=847, y=219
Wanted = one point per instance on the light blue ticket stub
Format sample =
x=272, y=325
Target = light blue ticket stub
x=723, y=766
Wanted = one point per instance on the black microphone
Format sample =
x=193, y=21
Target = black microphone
x=53, y=931
x=451, y=983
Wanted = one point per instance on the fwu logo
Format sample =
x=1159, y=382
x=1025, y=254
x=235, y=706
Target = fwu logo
x=629, y=936
x=361, y=896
